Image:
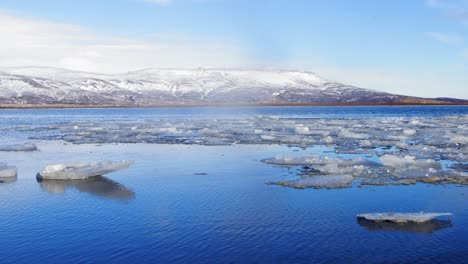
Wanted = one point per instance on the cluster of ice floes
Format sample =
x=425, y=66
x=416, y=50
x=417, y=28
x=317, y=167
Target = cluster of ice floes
x=411, y=149
x=81, y=170
x=359, y=135
x=318, y=171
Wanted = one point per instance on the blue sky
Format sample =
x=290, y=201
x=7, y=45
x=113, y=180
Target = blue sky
x=416, y=47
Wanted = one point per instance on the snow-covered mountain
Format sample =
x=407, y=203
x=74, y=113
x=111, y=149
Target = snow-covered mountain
x=38, y=86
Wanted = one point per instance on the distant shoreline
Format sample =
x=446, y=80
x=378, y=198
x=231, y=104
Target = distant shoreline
x=77, y=106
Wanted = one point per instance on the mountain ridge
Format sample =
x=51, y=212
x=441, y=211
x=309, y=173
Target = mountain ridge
x=48, y=86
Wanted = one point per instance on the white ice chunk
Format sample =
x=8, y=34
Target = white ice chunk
x=459, y=139
x=7, y=171
x=409, y=132
x=349, y=134
x=169, y=130
x=408, y=162
x=402, y=217
x=267, y=137
x=328, y=140
x=418, y=173
x=19, y=147
x=301, y=129
x=366, y=143
x=335, y=169
x=312, y=159
x=81, y=170
x=301, y=160
x=322, y=181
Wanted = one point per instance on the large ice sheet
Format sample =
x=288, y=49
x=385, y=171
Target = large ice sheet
x=81, y=170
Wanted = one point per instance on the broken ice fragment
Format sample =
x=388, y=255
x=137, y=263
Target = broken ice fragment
x=409, y=132
x=81, y=170
x=301, y=129
x=19, y=147
x=322, y=181
x=408, y=162
x=7, y=171
x=312, y=159
x=328, y=140
x=402, y=217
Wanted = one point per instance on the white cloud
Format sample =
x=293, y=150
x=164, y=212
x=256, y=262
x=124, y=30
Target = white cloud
x=446, y=38
x=37, y=42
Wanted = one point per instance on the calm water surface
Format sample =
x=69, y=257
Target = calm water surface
x=210, y=204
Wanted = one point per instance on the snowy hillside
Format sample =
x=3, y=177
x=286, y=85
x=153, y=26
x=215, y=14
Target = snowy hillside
x=48, y=86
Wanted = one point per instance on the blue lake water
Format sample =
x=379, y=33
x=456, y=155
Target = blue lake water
x=210, y=204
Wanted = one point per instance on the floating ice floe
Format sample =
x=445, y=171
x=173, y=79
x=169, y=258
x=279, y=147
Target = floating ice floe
x=409, y=132
x=337, y=169
x=408, y=162
x=18, y=147
x=322, y=181
x=312, y=159
x=402, y=217
x=7, y=171
x=328, y=140
x=81, y=170
x=301, y=129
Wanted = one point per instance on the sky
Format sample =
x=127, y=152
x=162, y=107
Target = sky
x=411, y=47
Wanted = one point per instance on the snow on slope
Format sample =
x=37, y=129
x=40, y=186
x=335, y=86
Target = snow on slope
x=178, y=86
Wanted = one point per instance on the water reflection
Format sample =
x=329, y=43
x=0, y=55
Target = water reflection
x=98, y=186
x=8, y=180
x=422, y=228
